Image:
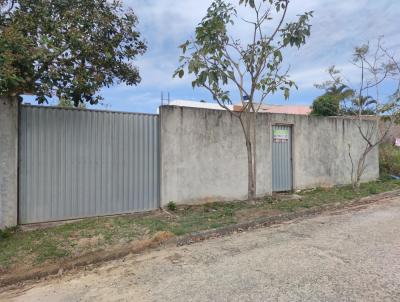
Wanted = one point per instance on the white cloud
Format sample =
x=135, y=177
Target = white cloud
x=306, y=78
x=337, y=27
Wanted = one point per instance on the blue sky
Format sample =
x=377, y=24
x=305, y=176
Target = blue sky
x=337, y=27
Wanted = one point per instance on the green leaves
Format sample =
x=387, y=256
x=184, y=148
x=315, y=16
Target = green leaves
x=325, y=105
x=379, y=69
x=218, y=61
x=286, y=93
x=207, y=61
x=211, y=33
x=278, y=56
x=203, y=77
x=295, y=33
x=278, y=4
x=69, y=49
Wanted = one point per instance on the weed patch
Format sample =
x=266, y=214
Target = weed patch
x=389, y=159
x=29, y=248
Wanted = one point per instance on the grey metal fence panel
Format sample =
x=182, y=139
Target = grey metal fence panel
x=281, y=158
x=83, y=163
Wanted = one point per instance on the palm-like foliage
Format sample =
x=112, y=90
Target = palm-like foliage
x=333, y=101
x=340, y=92
x=362, y=105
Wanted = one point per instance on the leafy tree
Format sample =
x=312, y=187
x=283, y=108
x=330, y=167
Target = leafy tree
x=325, y=105
x=69, y=49
x=218, y=61
x=335, y=86
x=334, y=101
x=64, y=103
x=340, y=92
x=340, y=99
x=366, y=103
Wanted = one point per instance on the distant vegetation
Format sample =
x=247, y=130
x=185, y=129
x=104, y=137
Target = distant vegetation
x=389, y=160
x=67, y=49
x=64, y=103
x=379, y=68
x=333, y=101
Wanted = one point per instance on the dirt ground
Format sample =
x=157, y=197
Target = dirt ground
x=341, y=256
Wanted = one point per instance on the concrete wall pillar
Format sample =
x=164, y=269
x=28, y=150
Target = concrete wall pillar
x=8, y=161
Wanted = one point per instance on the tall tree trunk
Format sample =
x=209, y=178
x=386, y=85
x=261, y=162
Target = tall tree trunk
x=249, y=130
x=361, y=167
x=251, y=185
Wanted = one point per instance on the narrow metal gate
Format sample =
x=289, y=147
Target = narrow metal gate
x=282, y=158
x=82, y=163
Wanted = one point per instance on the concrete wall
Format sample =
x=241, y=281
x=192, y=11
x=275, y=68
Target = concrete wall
x=8, y=161
x=203, y=154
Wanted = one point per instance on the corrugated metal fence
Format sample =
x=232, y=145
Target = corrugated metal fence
x=282, y=158
x=82, y=163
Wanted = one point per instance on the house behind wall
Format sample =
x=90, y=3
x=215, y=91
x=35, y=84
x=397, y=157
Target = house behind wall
x=203, y=153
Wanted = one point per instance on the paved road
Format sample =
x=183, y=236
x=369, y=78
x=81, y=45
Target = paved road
x=344, y=256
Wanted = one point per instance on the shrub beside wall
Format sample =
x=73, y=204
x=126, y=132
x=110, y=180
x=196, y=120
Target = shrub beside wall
x=389, y=159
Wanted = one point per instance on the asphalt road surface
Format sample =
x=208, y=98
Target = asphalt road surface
x=344, y=256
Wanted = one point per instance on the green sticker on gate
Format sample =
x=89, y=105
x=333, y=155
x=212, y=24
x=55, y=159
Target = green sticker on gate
x=280, y=135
